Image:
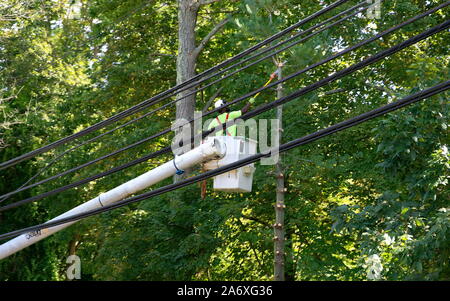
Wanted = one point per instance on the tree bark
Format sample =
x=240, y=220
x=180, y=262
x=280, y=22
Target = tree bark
x=188, y=53
x=279, y=241
x=73, y=244
x=186, y=62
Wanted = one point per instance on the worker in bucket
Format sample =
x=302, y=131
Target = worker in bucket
x=226, y=115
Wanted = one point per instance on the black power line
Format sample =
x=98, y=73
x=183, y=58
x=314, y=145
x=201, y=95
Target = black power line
x=129, y=14
x=301, y=33
x=178, y=88
x=166, y=131
x=371, y=60
x=251, y=159
x=260, y=109
x=311, y=29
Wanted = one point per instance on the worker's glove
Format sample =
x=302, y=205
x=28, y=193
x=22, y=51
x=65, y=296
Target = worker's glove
x=251, y=100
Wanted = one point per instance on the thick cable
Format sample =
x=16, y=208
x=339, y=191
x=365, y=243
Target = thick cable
x=23, y=187
x=251, y=159
x=371, y=60
x=276, y=52
x=2, y=199
x=144, y=104
x=166, y=131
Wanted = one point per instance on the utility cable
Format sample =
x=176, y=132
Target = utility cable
x=337, y=75
x=264, y=108
x=206, y=86
x=136, y=108
x=255, y=92
x=22, y=187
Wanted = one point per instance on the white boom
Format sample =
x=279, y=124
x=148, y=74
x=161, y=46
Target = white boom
x=212, y=149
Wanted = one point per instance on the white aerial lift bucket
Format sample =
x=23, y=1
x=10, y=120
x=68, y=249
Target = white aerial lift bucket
x=240, y=179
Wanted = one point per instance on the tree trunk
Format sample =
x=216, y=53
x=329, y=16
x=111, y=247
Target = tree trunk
x=186, y=62
x=188, y=53
x=73, y=244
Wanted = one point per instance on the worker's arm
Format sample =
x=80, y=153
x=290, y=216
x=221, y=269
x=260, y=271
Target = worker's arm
x=248, y=105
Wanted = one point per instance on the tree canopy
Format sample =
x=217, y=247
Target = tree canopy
x=371, y=198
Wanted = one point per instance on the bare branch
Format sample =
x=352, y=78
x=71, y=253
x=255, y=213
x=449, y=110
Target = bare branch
x=6, y=125
x=3, y=144
x=12, y=96
x=206, y=2
x=7, y=98
x=210, y=100
x=209, y=36
x=218, y=12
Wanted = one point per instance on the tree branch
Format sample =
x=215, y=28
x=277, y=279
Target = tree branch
x=209, y=36
x=11, y=97
x=206, y=2
x=7, y=98
x=3, y=144
x=210, y=100
x=162, y=54
x=251, y=218
x=207, y=12
x=338, y=90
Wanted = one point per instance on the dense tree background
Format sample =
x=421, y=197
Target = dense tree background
x=372, y=197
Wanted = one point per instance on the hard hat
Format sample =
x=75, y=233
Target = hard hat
x=219, y=103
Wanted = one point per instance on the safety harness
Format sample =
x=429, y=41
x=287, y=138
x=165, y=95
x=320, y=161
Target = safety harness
x=224, y=124
x=272, y=76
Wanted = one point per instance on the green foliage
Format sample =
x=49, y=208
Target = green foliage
x=371, y=200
